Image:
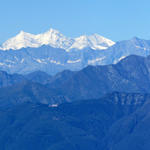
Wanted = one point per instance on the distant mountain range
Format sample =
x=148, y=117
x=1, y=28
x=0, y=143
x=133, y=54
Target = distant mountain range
x=52, y=52
x=99, y=107
x=130, y=75
x=55, y=39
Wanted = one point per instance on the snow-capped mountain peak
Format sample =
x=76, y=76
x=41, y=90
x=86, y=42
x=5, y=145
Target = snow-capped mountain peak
x=54, y=38
x=57, y=40
x=21, y=40
x=94, y=41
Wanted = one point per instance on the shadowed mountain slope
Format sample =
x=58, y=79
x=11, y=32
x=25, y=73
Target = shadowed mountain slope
x=72, y=126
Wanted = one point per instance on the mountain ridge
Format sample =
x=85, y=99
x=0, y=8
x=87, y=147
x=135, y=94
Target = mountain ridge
x=57, y=40
x=131, y=75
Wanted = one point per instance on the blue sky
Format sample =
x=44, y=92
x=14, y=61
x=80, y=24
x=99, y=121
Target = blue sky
x=114, y=19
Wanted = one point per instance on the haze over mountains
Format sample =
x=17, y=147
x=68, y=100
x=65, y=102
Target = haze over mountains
x=130, y=75
x=55, y=112
x=59, y=93
x=52, y=52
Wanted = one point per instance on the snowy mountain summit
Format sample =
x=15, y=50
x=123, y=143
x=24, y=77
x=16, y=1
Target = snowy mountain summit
x=57, y=40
